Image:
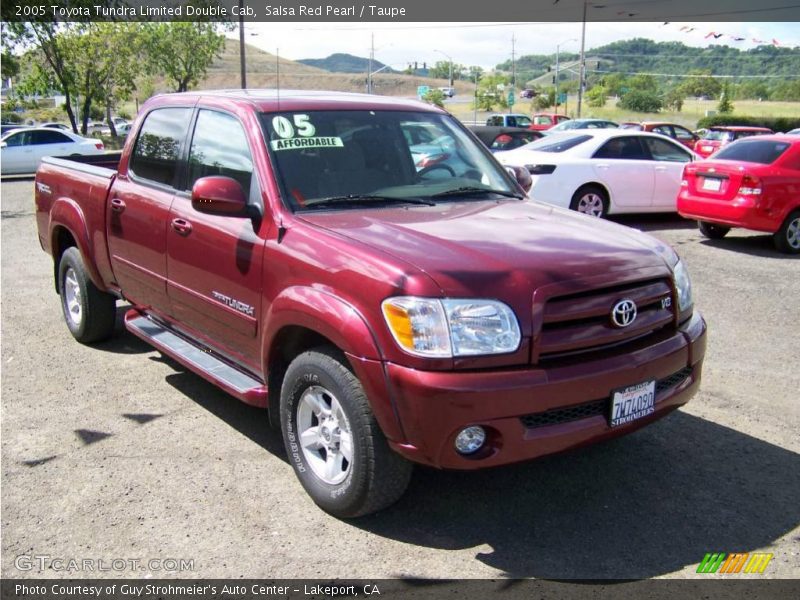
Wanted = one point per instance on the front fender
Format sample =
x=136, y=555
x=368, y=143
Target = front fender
x=338, y=321
x=66, y=213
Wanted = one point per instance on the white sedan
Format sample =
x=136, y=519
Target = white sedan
x=23, y=149
x=604, y=171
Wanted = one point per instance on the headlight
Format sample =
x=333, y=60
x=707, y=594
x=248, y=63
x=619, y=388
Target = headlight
x=452, y=327
x=684, y=286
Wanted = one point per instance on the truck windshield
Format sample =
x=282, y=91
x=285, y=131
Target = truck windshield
x=334, y=159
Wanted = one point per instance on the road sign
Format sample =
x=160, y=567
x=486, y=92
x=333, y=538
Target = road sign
x=562, y=97
x=422, y=90
x=511, y=98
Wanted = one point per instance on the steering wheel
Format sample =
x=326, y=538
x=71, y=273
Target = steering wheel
x=426, y=170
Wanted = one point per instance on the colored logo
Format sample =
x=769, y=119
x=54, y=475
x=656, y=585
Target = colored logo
x=736, y=562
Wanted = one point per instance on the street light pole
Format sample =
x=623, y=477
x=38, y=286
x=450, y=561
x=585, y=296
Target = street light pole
x=582, y=71
x=449, y=60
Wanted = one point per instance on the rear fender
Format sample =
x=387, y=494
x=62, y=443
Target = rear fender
x=66, y=213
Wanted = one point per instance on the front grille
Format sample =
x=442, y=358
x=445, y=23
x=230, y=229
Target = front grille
x=594, y=408
x=580, y=323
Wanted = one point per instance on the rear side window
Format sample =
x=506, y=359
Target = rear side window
x=683, y=134
x=219, y=147
x=155, y=156
x=754, y=151
x=621, y=148
x=559, y=145
x=662, y=150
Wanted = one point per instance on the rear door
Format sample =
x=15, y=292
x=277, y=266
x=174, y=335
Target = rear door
x=669, y=160
x=138, y=208
x=214, y=262
x=624, y=167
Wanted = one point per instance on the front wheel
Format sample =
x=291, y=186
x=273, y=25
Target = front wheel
x=590, y=200
x=787, y=238
x=89, y=312
x=334, y=443
x=711, y=231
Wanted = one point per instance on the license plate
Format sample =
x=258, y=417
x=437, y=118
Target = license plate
x=633, y=402
x=708, y=148
x=709, y=183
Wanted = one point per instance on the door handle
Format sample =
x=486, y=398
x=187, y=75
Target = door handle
x=604, y=166
x=661, y=168
x=182, y=226
x=117, y=205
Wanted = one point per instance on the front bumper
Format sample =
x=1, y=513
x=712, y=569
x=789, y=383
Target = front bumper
x=434, y=406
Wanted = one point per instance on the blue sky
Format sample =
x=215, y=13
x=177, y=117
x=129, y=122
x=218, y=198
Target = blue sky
x=487, y=44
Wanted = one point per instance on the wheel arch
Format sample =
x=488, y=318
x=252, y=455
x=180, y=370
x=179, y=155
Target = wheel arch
x=68, y=229
x=302, y=318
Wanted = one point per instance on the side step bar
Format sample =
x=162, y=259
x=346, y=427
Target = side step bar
x=197, y=359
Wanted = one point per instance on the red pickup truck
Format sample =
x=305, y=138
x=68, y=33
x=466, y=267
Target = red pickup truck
x=287, y=248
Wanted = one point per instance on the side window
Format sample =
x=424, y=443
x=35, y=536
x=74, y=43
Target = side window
x=48, y=137
x=18, y=139
x=219, y=147
x=664, y=151
x=511, y=121
x=663, y=130
x=621, y=148
x=683, y=134
x=155, y=155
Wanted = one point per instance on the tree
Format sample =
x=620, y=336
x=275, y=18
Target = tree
x=701, y=83
x=545, y=101
x=489, y=94
x=596, y=97
x=643, y=83
x=182, y=52
x=434, y=96
x=641, y=101
x=725, y=106
x=674, y=99
x=613, y=83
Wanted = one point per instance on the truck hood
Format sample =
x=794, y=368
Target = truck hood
x=498, y=248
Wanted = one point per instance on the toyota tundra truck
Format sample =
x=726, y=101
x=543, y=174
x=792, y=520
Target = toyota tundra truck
x=288, y=248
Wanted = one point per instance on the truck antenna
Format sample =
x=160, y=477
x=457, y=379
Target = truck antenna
x=278, y=74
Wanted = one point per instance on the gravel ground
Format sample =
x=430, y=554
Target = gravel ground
x=114, y=452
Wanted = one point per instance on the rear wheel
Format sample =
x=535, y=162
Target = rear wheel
x=89, y=312
x=711, y=231
x=787, y=238
x=590, y=200
x=334, y=443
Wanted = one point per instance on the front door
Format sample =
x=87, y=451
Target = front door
x=214, y=262
x=622, y=165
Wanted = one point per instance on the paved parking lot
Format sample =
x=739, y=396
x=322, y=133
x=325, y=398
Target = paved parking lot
x=114, y=452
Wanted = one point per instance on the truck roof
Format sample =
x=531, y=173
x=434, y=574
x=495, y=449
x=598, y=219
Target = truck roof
x=269, y=100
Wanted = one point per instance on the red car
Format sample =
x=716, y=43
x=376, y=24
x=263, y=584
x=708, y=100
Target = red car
x=544, y=121
x=716, y=137
x=676, y=132
x=753, y=183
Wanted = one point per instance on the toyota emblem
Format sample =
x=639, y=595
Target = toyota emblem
x=623, y=313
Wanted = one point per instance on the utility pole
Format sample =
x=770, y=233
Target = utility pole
x=371, y=58
x=513, y=70
x=243, y=62
x=582, y=72
x=555, y=81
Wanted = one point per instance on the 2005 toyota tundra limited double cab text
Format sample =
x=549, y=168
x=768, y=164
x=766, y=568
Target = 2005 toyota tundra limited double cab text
x=387, y=305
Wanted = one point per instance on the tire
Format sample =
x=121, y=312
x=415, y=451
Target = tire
x=590, y=200
x=711, y=231
x=323, y=411
x=89, y=312
x=787, y=238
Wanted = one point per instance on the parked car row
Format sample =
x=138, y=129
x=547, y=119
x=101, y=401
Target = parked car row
x=21, y=150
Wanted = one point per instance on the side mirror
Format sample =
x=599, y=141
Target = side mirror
x=3, y=144
x=521, y=176
x=219, y=195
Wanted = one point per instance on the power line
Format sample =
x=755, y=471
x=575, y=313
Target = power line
x=696, y=75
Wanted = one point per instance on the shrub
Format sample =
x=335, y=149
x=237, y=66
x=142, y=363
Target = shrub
x=641, y=101
x=774, y=123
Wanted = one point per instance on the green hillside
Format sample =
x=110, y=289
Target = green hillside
x=344, y=63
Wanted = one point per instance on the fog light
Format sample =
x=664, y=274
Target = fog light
x=470, y=439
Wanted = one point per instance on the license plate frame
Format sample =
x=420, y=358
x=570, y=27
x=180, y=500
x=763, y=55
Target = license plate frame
x=632, y=403
x=712, y=184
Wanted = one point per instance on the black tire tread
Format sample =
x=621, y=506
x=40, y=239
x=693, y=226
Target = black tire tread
x=779, y=237
x=389, y=473
x=99, y=308
x=712, y=231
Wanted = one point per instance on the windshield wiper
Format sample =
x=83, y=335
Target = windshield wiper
x=473, y=191
x=365, y=199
